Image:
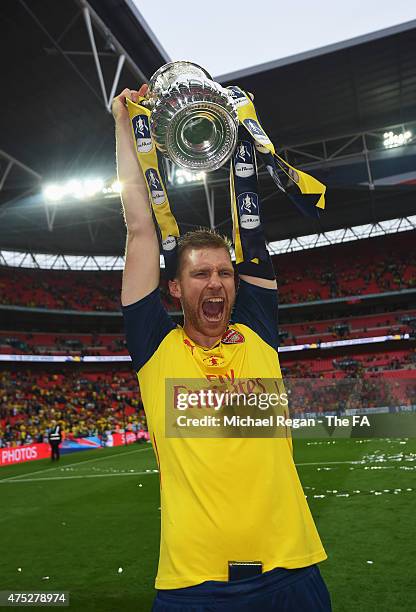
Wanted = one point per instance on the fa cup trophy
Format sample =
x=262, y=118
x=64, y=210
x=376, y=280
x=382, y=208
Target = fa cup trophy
x=199, y=125
x=193, y=120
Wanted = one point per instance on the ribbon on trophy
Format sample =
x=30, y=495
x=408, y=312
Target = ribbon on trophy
x=248, y=235
x=305, y=191
x=154, y=174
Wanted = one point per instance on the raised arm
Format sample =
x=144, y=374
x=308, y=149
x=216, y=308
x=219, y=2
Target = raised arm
x=142, y=264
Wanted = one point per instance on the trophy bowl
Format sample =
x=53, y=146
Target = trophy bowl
x=193, y=120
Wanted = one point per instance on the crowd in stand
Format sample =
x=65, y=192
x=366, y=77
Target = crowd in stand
x=95, y=404
x=84, y=405
x=329, y=396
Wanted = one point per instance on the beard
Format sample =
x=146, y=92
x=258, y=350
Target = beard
x=207, y=320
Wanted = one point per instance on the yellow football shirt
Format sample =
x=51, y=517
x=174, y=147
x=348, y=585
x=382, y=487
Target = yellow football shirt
x=222, y=499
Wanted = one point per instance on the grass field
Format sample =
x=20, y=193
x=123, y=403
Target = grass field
x=90, y=524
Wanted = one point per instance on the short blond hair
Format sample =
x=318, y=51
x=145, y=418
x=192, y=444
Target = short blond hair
x=202, y=238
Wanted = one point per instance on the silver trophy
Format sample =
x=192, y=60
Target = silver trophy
x=194, y=120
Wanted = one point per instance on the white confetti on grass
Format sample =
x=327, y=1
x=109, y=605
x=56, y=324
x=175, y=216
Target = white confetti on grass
x=355, y=492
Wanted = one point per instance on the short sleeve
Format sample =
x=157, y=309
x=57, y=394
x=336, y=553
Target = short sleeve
x=256, y=307
x=146, y=324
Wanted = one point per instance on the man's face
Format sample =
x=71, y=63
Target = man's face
x=206, y=289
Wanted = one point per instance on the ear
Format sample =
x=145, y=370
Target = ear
x=175, y=289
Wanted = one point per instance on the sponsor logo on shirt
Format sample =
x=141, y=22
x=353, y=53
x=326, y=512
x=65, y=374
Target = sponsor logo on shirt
x=232, y=336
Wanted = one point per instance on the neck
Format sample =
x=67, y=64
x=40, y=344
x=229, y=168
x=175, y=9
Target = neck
x=201, y=339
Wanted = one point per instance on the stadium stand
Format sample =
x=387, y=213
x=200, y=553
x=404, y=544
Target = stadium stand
x=377, y=265
x=87, y=404
x=341, y=270
x=95, y=402
x=39, y=343
x=393, y=364
x=70, y=290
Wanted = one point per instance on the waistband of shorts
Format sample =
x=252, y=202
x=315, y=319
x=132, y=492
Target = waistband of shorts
x=268, y=581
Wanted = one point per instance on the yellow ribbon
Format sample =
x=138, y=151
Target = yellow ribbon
x=306, y=183
x=148, y=160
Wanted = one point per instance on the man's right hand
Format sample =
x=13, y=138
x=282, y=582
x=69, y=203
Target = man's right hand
x=142, y=263
x=119, y=105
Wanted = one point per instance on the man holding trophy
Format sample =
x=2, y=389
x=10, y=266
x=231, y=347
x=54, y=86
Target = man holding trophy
x=236, y=530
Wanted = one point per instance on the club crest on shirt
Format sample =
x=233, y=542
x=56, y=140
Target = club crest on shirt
x=213, y=360
x=232, y=336
x=238, y=96
x=155, y=185
x=244, y=159
x=256, y=131
x=248, y=206
x=141, y=130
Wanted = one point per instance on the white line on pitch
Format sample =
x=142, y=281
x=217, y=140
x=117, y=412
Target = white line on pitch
x=356, y=461
x=47, y=479
x=21, y=479
x=56, y=467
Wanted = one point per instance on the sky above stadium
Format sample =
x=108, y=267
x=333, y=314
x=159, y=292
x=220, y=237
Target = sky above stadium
x=225, y=36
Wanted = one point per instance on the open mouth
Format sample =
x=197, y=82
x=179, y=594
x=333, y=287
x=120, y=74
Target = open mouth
x=213, y=308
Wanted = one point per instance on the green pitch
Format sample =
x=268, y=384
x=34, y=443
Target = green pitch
x=90, y=524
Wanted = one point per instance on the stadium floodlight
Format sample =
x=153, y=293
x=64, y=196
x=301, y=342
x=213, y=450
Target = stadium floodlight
x=53, y=192
x=186, y=176
x=116, y=187
x=78, y=189
x=396, y=140
x=73, y=188
x=92, y=186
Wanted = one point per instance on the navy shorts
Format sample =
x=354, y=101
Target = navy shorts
x=279, y=590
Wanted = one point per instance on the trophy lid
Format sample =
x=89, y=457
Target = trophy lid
x=168, y=73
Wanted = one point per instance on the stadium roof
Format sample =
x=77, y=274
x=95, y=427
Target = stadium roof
x=327, y=110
